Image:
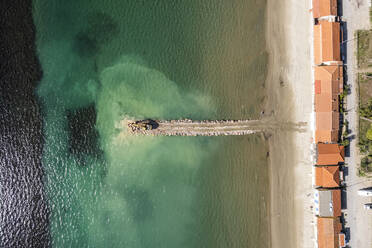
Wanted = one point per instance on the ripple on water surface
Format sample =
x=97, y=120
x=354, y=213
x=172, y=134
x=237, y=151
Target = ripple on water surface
x=106, y=60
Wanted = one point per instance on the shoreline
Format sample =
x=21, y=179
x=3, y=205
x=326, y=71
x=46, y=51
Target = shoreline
x=289, y=89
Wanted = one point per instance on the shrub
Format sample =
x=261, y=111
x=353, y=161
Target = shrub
x=369, y=133
x=345, y=142
x=366, y=110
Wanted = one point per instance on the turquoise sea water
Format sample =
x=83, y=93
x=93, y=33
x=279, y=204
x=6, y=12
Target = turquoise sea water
x=108, y=60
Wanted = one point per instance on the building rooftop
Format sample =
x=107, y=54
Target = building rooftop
x=324, y=8
x=328, y=203
x=327, y=42
x=327, y=121
x=328, y=79
x=326, y=102
x=342, y=241
x=330, y=154
x=328, y=232
x=327, y=176
x=326, y=136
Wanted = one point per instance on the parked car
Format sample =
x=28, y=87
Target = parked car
x=365, y=192
x=368, y=206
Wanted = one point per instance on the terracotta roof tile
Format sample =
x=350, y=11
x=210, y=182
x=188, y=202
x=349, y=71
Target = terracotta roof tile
x=318, y=86
x=328, y=232
x=342, y=240
x=317, y=45
x=326, y=136
x=327, y=121
x=330, y=154
x=328, y=202
x=330, y=79
x=324, y=8
x=336, y=197
x=327, y=42
x=327, y=176
x=326, y=103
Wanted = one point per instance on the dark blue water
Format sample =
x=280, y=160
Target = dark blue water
x=70, y=177
x=24, y=214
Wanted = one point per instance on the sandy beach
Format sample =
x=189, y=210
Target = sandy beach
x=289, y=85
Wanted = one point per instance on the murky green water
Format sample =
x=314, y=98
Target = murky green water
x=106, y=60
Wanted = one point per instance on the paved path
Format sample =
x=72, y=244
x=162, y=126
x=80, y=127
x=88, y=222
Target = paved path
x=365, y=70
x=366, y=119
x=356, y=16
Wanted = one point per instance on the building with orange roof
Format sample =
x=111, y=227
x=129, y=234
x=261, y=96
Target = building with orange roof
x=328, y=203
x=326, y=136
x=327, y=176
x=327, y=41
x=323, y=8
x=341, y=240
x=328, y=79
x=329, y=230
x=327, y=120
x=328, y=85
x=326, y=102
x=330, y=154
x=327, y=126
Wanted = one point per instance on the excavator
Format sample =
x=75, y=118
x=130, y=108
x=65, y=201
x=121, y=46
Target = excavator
x=143, y=125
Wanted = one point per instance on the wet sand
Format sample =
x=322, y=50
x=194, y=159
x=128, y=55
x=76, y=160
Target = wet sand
x=289, y=85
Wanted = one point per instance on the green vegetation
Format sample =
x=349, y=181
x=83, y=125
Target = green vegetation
x=364, y=56
x=342, y=98
x=345, y=133
x=364, y=52
x=365, y=123
x=345, y=142
x=366, y=165
x=369, y=133
x=365, y=110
